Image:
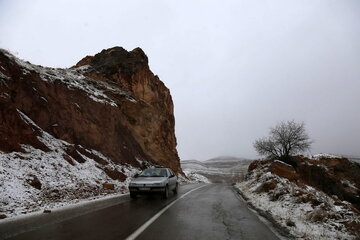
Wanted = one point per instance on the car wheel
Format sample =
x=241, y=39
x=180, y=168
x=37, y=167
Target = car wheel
x=133, y=195
x=176, y=189
x=166, y=192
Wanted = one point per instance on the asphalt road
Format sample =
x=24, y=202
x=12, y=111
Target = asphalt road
x=212, y=211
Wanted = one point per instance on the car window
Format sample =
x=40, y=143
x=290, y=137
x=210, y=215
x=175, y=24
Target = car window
x=164, y=173
x=154, y=172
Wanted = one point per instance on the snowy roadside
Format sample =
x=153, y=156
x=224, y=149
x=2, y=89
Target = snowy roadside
x=35, y=180
x=301, y=212
x=192, y=177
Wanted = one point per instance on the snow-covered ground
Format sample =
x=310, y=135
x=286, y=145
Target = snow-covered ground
x=192, y=177
x=57, y=182
x=306, y=212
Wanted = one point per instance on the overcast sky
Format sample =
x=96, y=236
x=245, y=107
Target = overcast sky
x=234, y=68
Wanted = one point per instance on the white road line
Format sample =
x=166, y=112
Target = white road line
x=135, y=234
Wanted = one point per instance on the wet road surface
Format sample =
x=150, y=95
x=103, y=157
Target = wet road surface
x=213, y=211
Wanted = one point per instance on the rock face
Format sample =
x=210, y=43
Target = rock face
x=283, y=170
x=334, y=176
x=110, y=102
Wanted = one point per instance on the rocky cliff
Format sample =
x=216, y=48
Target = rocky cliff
x=109, y=110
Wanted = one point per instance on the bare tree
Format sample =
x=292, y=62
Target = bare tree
x=285, y=139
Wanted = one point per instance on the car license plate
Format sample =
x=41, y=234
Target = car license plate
x=144, y=189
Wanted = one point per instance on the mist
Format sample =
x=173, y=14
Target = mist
x=234, y=68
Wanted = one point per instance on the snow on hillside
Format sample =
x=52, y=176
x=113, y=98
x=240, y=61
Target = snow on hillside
x=37, y=180
x=307, y=213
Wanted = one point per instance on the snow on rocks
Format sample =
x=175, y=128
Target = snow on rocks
x=323, y=155
x=193, y=177
x=307, y=213
x=34, y=180
x=73, y=78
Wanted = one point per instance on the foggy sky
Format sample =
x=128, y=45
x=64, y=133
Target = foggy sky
x=234, y=68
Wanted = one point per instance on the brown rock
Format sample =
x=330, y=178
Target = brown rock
x=267, y=186
x=33, y=181
x=283, y=170
x=332, y=176
x=91, y=155
x=3, y=216
x=318, y=215
x=354, y=227
x=68, y=159
x=115, y=174
x=72, y=151
x=109, y=186
x=138, y=125
x=47, y=211
x=253, y=165
x=257, y=164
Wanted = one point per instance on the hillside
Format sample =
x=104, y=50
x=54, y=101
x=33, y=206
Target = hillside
x=317, y=198
x=73, y=133
x=220, y=169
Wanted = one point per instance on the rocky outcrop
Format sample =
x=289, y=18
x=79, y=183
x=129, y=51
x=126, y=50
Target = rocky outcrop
x=315, y=198
x=334, y=176
x=110, y=102
x=283, y=170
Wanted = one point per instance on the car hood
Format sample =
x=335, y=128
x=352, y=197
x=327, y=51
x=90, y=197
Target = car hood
x=148, y=180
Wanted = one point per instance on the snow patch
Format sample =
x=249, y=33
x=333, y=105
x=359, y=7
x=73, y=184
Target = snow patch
x=323, y=155
x=193, y=177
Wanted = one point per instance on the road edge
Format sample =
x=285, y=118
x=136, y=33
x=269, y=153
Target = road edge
x=282, y=231
x=14, y=226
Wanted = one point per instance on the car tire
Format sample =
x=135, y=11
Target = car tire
x=176, y=189
x=166, y=192
x=132, y=195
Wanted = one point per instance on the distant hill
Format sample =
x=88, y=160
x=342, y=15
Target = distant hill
x=219, y=169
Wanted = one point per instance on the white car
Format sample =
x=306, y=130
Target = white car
x=154, y=180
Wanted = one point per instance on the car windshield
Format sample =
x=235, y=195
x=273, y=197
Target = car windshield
x=153, y=172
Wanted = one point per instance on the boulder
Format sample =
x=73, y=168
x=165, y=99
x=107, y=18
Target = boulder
x=283, y=170
x=109, y=186
x=115, y=174
x=267, y=186
x=33, y=181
